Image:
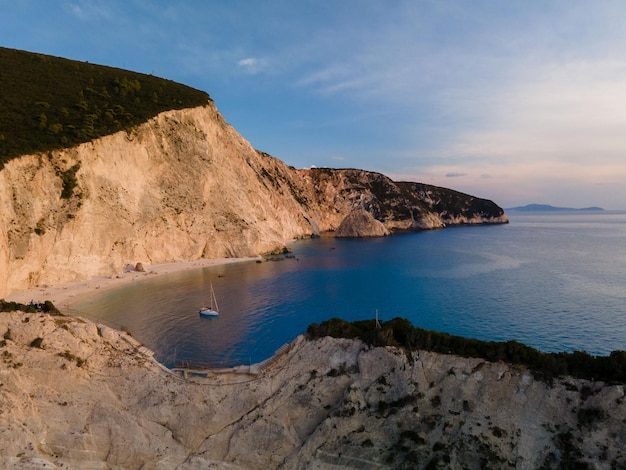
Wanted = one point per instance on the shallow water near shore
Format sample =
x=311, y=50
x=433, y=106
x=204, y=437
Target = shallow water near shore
x=556, y=282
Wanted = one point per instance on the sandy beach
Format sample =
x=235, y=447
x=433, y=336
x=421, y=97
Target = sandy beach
x=64, y=295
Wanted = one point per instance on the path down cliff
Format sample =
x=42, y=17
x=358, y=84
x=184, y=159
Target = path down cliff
x=79, y=395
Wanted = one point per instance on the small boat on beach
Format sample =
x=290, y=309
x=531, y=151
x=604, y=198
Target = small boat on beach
x=213, y=310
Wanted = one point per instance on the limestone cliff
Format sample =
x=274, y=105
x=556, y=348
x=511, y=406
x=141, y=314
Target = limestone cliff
x=399, y=205
x=182, y=186
x=78, y=395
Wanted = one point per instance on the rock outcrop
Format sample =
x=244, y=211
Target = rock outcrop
x=79, y=395
x=183, y=186
x=359, y=224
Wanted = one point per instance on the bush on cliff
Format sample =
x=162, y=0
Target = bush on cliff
x=399, y=332
x=46, y=307
x=51, y=103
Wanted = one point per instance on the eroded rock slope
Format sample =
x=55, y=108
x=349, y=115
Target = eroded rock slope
x=78, y=395
x=183, y=186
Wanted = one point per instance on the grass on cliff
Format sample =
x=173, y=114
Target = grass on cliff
x=400, y=332
x=49, y=103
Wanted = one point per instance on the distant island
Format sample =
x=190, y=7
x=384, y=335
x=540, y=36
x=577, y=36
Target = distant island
x=549, y=208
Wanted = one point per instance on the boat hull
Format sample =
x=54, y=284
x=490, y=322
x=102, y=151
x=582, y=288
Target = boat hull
x=207, y=312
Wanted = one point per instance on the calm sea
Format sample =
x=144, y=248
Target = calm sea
x=556, y=282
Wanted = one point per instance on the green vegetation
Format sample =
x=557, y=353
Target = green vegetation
x=37, y=343
x=72, y=358
x=400, y=332
x=570, y=455
x=452, y=202
x=50, y=103
x=589, y=416
x=46, y=307
x=68, y=177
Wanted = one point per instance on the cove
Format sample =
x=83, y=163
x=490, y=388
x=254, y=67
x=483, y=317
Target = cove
x=551, y=282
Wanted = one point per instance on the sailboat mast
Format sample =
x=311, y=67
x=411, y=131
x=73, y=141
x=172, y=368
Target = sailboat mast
x=213, y=300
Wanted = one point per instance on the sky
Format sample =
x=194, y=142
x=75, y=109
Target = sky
x=515, y=101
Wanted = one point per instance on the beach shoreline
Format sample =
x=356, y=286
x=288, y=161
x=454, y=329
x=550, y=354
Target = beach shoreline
x=63, y=296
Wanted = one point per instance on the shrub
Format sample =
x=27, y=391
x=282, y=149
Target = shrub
x=46, y=307
x=588, y=416
x=413, y=436
x=400, y=332
x=438, y=446
x=70, y=357
x=51, y=103
x=69, y=181
x=367, y=443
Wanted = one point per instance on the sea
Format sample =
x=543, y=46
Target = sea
x=553, y=281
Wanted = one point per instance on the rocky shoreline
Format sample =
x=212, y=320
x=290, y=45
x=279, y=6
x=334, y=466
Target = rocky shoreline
x=80, y=395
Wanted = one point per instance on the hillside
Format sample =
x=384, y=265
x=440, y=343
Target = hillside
x=184, y=185
x=50, y=103
x=79, y=395
x=549, y=208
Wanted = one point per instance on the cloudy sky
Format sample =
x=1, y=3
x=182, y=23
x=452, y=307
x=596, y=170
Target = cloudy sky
x=516, y=101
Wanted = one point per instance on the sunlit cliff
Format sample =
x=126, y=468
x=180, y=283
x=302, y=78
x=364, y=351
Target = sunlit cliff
x=182, y=186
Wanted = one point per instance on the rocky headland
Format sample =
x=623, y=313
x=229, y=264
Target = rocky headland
x=79, y=395
x=182, y=186
x=185, y=186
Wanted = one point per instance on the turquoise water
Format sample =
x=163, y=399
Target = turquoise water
x=556, y=282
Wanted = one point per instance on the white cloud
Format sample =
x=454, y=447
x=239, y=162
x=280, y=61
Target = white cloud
x=569, y=116
x=90, y=10
x=249, y=62
x=252, y=65
x=496, y=95
x=554, y=125
x=499, y=95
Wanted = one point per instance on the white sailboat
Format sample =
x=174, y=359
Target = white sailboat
x=213, y=310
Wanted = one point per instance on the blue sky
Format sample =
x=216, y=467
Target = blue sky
x=515, y=101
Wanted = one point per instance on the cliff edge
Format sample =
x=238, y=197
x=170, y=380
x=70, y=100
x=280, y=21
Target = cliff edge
x=102, y=167
x=183, y=186
x=80, y=395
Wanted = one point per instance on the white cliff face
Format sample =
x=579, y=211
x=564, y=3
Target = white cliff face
x=183, y=186
x=76, y=395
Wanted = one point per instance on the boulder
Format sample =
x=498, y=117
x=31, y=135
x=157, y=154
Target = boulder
x=360, y=223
